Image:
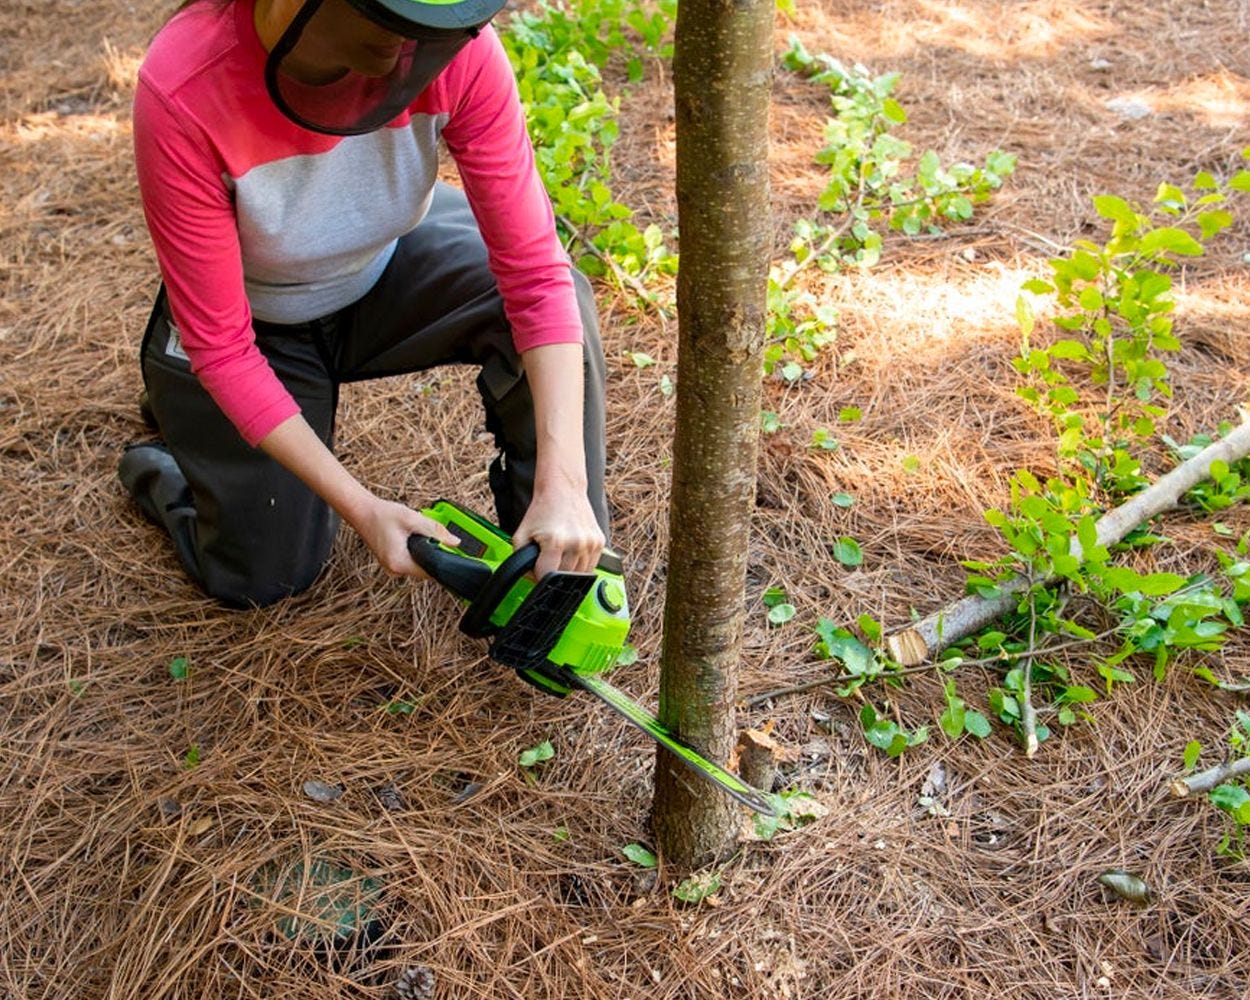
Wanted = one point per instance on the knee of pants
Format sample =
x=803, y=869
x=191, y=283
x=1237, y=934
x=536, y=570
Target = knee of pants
x=258, y=587
x=254, y=554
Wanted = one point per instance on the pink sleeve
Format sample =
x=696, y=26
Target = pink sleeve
x=486, y=135
x=191, y=218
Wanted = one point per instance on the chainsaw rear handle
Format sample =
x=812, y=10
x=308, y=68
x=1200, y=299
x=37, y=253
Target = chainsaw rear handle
x=464, y=576
x=472, y=580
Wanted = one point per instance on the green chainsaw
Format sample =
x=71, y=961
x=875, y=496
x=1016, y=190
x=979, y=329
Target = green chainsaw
x=558, y=634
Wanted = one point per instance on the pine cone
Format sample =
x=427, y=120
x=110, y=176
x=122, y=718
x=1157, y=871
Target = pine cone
x=416, y=983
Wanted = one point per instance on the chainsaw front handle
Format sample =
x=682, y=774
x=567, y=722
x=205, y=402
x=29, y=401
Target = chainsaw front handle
x=476, y=621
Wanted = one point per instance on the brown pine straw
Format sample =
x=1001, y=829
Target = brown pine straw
x=105, y=895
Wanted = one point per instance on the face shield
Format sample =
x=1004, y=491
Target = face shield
x=346, y=67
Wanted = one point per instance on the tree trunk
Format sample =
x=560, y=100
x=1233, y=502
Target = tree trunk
x=722, y=69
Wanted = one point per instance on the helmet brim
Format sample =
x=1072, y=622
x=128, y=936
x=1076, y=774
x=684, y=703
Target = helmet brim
x=403, y=16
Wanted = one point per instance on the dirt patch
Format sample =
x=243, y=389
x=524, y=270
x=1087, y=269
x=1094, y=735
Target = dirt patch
x=130, y=874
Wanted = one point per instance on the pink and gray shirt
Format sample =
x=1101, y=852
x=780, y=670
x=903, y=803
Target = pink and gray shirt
x=252, y=215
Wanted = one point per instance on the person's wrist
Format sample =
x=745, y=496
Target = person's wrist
x=556, y=477
x=357, y=505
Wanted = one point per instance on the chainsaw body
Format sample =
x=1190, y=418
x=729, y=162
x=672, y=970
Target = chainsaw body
x=559, y=633
x=576, y=621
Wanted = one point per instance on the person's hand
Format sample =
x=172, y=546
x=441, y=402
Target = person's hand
x=564, y=526
x=385, y=527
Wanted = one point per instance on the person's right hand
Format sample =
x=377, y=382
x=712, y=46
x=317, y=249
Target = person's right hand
x=385, y=527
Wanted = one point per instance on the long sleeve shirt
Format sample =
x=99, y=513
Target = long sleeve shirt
x=252, y=215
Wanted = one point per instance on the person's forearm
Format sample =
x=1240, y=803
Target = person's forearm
x=295, y=446
x=555, y=377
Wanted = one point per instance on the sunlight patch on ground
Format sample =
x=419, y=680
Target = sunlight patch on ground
x=122, y=68
x=45, y=125
x=908, y=313
x=1220, y=101
x=1223, y=303
x=1032, y=30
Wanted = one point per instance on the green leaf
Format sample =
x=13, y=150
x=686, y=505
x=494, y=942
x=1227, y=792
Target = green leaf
x=842, y=500
x=627, y=657
x=536, y=754
x=774, y=596
x=976, y=723
x=1116, y=209
x=766, y=827
x=697, y=888
x=640, y=359
x=1168, y=239
x=1231, y=798
x=1157, y=584
x=841, y=645
x=179, y=668
x=1090, y=299
x=1025, y=317
x=849, y=414
x=1192, y=749
x=769, y=422
x=897, y=745
x=870, y=627
x=639, y=855
x=191, y=758
x=954, y=719
x=848, y=552
x=1170, y=196
x=561, y=834
x=911, y=463
x=1087, y=534
x=893, y=111
x=821, y=438
x=1214, y=222
x=779, y=614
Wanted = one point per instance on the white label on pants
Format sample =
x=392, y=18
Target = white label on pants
x=173, y=346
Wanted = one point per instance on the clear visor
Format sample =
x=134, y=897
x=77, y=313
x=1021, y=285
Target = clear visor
x=336, y=72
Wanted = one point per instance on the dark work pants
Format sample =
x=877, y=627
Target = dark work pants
x=254, y=532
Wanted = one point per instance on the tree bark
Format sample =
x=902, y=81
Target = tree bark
x=961, y=619
x=722, y=70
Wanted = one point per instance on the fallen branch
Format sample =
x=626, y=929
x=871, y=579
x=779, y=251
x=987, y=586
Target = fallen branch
x=964, y=617
x=1028, y=714
x=1204, y=781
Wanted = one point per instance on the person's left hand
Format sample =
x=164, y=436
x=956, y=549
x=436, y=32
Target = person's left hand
x=564, y=526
